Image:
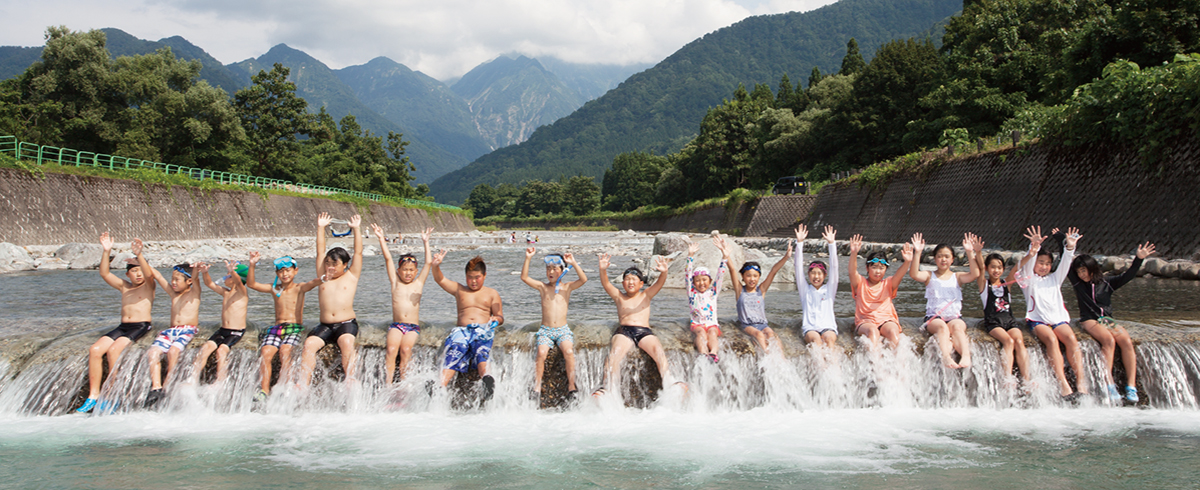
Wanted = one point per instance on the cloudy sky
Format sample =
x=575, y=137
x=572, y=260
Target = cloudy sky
x=443, y=38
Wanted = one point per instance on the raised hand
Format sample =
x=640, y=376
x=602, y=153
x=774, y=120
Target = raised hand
x=907, y=252
x=355, y=221
x=323, y=220
x=136, y=246
x=830, y=234
x=529, y=251
x=918, y=242
x=569, y=258
x=1073, y=237
x=855, y=244
x=788, y=253
x=425, y=235
x=968, y=242
x=693, y=247
x=199, y=267
x=377, y=230
x=254, y=258
x=661, y=264
x=231, y=267
x=437, y=258
x=1144, y=250
x=106, y=242
x=719, y=242
x=1034, y=234
x=801, y=232
x=605, y=260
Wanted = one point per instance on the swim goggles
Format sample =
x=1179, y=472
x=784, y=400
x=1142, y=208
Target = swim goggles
x=701, y=271
x=339, y=235
x=181, y=270
x=407, y=258
x=878, y=260
x=285, y=262
x=635, y=272
x=752, y=267
x=821, y=265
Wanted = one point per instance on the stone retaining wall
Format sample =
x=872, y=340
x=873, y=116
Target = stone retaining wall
x=62, y=208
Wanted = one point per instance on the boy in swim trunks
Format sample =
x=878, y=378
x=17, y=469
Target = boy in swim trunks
x=633, y=313
x=234, y=300
x=285, y=334
x=407, y=287
x=137, y=299
x=339, y=275
x=554, y=329
x=185, y=316
x=479, y=313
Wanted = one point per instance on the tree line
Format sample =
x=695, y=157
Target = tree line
x=154, y=107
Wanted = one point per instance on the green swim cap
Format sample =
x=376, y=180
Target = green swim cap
x=242, y=270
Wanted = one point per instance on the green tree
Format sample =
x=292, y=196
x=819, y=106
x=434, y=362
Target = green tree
x=815, y=77
x=538, y=197
x=632, y=180
x=274, y=118
x=721, y=156
x=581, y=195
x=853, y=62
x=482, y=201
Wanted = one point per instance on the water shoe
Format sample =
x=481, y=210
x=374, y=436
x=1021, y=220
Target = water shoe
x=1131, y=395
x=88, y=405
x=154, y=397
x=1113, y=394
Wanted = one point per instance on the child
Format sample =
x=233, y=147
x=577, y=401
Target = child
x=289, y=318
x=752, y=315
x=185, y=315
x=479, y=313
x=407, y=287
x=335, y=296
x=702, y=298
x=1094, y=292
x=633, y=313
x=554, y=330
x=234, y=300
x=998, y=320
x=943, y=298
x=816, y=295
x=874, y=313
x=137, y=299
x=1047, y=315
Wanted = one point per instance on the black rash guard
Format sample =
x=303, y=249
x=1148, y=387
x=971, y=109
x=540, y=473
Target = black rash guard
x=1095, y=298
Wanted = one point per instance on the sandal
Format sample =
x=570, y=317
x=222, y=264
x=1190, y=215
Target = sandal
x=599, y=392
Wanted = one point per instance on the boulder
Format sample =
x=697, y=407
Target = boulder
x=708, y=256
x=14, y=258
x=1151, y=266
x=1190, y=271
x=208, y=253
x=53, y=263
x=667, y=243
x=80, y=255
x=370, y=251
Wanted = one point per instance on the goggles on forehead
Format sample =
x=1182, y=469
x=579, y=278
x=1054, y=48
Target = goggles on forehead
x=553, y=260
x=181, y=270
x=285, y=262
x=878, y=260
x=817, y=265
x=407, y=258
x=635, y=273
x=754, y=268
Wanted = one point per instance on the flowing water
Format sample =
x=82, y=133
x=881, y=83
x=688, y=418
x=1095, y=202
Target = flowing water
x=845, y=418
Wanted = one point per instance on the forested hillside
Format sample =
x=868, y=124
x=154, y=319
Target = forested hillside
x=658, y=109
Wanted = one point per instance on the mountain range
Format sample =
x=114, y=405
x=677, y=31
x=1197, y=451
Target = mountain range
x=499, y=103
x=659, y=110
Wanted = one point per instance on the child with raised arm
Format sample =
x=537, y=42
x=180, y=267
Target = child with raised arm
x=185, y=316
x=633, y=313
x=234, y=301
x=554, y=330
x=874, y=313
x=702, y=299
x=339, y=273
x=998, y=320
x=137, y=299
x=1094, y=292
x=1047, y=317
x=407, y=287
x=943, y=298
x=817, y=293
x=479, y=313
x=284, y=334
x=750, y=293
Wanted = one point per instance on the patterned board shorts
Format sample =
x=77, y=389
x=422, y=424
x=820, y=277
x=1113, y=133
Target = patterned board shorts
x=467, y=345
x=281, y=334
x=554, y=336
x=177, y=336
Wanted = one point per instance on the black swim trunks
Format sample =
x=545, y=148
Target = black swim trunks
x=636, y=334
x=226, y=337
x=133, y=330
x=330, y=332
x=989, y=324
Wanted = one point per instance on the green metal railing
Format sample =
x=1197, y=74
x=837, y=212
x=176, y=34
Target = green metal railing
x=65, y=156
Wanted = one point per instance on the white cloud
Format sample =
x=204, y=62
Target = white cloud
x=441, y=38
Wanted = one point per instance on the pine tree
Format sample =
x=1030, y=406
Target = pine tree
x=853, y=62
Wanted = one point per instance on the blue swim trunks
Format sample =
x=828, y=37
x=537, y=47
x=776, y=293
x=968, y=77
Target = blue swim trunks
x=405, y=327
x=554, y=336
x=467, y=345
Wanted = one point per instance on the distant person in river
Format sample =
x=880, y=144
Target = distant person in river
x=817, y=287
x=633, y=314
x=1094, y=292
x=943, y=298
x=874, y=314
x=750, y=289
x=480, y=311
x=234, y=301
x=702, y=291
x=407, y=286
x=554, y=330
x=998, y=320
x=1047, y=317
x=282, y=336
x=137, y=299
x=339, y=273
x=185, y=316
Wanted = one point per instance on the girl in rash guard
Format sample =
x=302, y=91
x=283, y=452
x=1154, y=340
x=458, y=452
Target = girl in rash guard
x=817, y=292
x=1094, y=291
x=703, y=289
x=1047, y=316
